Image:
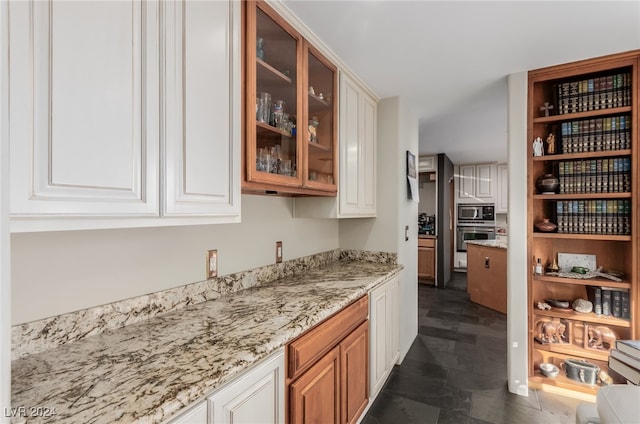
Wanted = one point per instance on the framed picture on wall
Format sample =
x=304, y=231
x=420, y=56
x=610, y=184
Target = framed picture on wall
x=412, y=180
x=411, y=165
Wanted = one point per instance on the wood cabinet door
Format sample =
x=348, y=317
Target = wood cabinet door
x=315, y=396
x=426, y=262
x=368, y=157
x=84, y=108
x=201, y=108
x=354, y=369
x=255, y=397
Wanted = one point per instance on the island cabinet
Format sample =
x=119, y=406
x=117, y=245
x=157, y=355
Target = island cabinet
x=124, y=114
x=583, y=130
x=327, y=369
x=290, y=143
x=487, y=276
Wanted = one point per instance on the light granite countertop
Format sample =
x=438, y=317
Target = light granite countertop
x=498, y=243
x=149, y=371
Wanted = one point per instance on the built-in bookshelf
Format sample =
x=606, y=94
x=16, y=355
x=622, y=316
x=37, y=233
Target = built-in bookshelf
x=586, y=114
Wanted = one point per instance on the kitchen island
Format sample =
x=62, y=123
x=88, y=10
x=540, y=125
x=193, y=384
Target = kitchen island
x=487, y=273
x=151, y=370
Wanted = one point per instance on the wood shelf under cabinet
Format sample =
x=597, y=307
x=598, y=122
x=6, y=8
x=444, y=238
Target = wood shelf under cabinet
x=583, y=155
x=577, y=316
x=586, y=196
x=606, y=237
x=272, y=129
x=581, y=115
x=270, y=73
x=600, y=282
x=573, y=351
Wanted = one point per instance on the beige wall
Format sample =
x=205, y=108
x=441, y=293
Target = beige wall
x=397, y=133
x=59, y=272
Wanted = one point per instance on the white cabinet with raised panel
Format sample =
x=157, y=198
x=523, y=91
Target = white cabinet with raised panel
x=358, y=120
x=256, y=396
x=477, y=183
x=123, y=114
x=84, y=108
x=358, y=147
x=384, y=316
x=200, y=104
x=502, y=192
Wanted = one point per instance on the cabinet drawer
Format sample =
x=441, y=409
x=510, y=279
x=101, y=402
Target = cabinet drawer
x=315, y=343
x=422, y=242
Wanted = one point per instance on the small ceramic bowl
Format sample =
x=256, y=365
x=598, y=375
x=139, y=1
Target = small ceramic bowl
x=549, y=370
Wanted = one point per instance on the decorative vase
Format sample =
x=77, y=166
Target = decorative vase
x=546, y=226
x=547, y=184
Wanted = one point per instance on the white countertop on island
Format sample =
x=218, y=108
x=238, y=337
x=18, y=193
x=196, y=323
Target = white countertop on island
x=498, y=243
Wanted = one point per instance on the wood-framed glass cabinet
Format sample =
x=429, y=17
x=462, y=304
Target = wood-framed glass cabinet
x=290, y=140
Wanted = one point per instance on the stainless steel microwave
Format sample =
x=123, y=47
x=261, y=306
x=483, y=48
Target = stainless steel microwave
x=475, y=213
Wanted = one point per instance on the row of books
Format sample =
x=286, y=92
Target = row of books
x=599, y=216
x=625, y=360
x=608, y=175
x=594, y=93
x=596, y=135
x=609, y=301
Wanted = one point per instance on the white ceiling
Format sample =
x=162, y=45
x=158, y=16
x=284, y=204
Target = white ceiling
x=449, y=59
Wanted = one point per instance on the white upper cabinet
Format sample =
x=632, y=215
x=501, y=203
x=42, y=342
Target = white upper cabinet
x=84, y=108
x=502, y=195
x=201, y=108
x=358, y=121
x=477, y=183
x=123, y=113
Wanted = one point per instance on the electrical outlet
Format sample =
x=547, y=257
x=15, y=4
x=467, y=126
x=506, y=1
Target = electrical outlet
x=212, y=263
x=278, y=252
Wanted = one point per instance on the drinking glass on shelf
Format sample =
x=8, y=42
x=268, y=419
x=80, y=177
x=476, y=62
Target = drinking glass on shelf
x=260, y=113
x=278, y=114
x=266, y=110
x=285, y=167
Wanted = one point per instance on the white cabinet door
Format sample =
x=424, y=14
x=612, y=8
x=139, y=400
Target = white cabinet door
x=358, y=123
x=484, y=181
x=378, y=339
x=467, y=181
x=384, y=326
x=202, y=108
x=256, y=397
x=84, y=107
x=393, y=321
x=197, y=415
x=502, y=195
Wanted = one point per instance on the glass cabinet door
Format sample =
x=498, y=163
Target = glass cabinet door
x=273, y=50
x=320, y=135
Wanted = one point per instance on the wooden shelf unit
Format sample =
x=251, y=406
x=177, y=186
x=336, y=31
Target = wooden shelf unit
x=619, y=252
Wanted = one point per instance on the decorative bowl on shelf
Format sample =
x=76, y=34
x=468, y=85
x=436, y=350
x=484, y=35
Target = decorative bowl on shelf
x=549, y=370
x=547, y=184
x=546, y=226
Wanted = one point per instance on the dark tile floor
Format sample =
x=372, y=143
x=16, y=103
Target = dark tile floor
x=456, y=370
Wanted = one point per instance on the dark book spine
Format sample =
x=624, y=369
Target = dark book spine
x=606, y=302
x=626, y=312
x=616, y=303
x=595, y=297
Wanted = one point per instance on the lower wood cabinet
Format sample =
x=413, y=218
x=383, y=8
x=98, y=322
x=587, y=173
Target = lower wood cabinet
x=487, y=276
x=327, y=374
x=426, y=258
